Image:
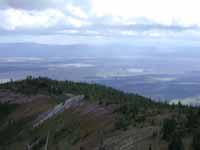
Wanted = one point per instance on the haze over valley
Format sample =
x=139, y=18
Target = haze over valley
x=166, y=72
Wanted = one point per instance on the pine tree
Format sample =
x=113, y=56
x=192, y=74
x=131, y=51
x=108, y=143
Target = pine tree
x=196, y=141
x=176, y=143
x=169, y=126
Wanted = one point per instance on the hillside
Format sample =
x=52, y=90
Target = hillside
x=40, y=113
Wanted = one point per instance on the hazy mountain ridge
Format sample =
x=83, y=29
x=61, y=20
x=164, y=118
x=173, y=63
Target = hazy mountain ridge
x=86, y=50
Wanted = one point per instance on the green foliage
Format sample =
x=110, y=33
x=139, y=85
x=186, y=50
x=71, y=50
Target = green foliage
x=176, y=143
x=150, y=147
x=180, y=107
x=64, y=130
x=40, y=144
x=68, y=129
x=168, y=128
x=93, y=92
x=6, y=109
x=196, y=141
x=128, y=105
x=11, y=131
x=71, y=133
x=193, y=120
x=122, y=122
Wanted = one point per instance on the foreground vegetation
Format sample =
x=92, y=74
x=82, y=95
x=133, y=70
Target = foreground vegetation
x=177, y=125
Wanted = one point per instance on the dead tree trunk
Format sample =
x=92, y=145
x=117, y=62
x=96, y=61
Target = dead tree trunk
x=47, y=141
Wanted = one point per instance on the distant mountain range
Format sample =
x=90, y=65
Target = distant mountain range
x=83, y=50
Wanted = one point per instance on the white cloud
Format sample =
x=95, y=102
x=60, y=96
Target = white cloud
x=77, y=11
x=68, y=31
x=167, y=12
x=74, y=65
x=194, y=101
x=15, y=18
x=21, y=59
x=102, y=18
x=128, y=33
x=75, y=22
x=135, y=70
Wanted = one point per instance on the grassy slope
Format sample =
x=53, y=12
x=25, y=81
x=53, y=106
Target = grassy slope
x=104, y=116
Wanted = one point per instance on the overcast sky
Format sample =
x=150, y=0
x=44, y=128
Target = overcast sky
x=98, y=21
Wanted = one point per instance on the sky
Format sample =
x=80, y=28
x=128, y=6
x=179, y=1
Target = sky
x=98, y=21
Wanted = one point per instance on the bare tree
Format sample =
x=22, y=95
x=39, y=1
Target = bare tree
x=47, y=141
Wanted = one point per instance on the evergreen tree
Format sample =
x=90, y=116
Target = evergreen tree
x=169, y=126
x=176, y=143
x=196, y=141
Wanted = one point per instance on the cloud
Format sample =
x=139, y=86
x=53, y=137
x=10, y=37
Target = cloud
x=194, y=101
x=18, y=19
x=31, y=4
x=73, y=65
x=160, y=11
x=76, y=22
x=101, y=18
x=41, y=4
x=76, y=11
x=14, y=18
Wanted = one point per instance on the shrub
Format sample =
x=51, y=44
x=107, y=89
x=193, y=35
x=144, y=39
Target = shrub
x=176, y=143
x=168, y=128
x=196, y=141
x=122, y=122
x=192, y=120
x=6, y=109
